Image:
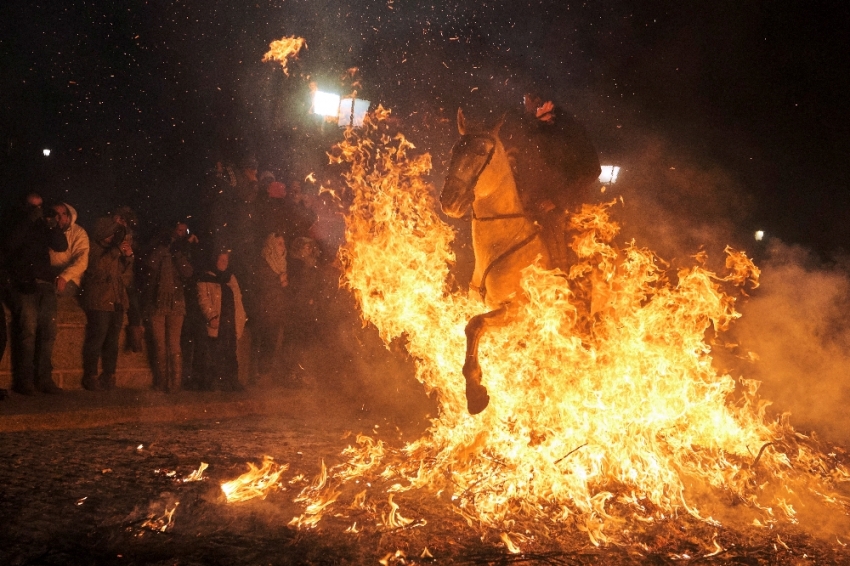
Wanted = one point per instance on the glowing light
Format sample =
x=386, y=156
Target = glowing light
x=759, y=235
x=45, y=152
x=325, y=103
x=352, y=112
x=609, y=174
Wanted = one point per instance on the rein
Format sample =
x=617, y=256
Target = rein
x=474, y=180
x=482, y=290
x=499, y=216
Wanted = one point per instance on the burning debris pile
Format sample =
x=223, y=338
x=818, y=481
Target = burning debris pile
x=606, y=416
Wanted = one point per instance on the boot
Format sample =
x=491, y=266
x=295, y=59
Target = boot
x=160, y=376
x=175, y=373
x=135, y=338
x=91, y=383
x=107, y=381
x=49, y=386
x=24, y=388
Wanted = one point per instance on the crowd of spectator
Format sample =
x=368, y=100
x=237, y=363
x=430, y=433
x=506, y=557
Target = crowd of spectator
x=250, y=259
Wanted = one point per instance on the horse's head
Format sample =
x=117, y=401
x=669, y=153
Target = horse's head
x=470, y=156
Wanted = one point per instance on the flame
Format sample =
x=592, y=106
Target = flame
x=163, y=522
x=509, y=544
x=394, y=520
x=256, y=482
x=605, y=405
x=284, y=49
x=197, y=475
x=318, y=496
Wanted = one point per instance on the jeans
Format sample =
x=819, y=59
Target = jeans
x=71, y=290
x=35, y=325
x=103, y=331
x=166, y=331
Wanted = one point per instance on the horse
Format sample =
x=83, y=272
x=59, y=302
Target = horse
x=505, y=239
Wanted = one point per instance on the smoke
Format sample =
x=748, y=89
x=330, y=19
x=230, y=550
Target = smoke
x=798, y=325
x=675, y=203
x=350, y=362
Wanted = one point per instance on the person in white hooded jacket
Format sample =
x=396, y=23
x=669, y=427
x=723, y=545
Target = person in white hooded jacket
x=70, y=265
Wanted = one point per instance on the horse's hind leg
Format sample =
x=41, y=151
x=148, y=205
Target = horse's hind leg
x=477, y=398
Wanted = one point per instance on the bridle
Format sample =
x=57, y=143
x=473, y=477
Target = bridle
x=470, y=185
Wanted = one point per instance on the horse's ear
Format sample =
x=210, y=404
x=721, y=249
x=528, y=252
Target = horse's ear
x=499, y=124
x=461, y=122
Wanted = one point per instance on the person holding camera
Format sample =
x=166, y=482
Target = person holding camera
x=32, y=294
x=105, y=300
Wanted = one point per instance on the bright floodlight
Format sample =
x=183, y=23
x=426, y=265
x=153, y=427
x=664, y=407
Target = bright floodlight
x=46, y=152
x=759, y=235
x=325, y=104
x=352, y=112
x=609, y=174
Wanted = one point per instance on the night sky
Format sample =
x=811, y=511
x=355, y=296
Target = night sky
x=135, y=99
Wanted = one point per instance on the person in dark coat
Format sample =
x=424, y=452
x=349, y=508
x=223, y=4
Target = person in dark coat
x=105, y=300
x=298, y=214
x=33, y=296
x=302, y=319
x=125, y=216
x=554, y=164
x=271, y=281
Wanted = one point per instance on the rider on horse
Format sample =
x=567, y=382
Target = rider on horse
x=554, y=163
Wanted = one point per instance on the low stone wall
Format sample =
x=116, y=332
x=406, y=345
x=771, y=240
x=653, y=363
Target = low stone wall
x=134, y=370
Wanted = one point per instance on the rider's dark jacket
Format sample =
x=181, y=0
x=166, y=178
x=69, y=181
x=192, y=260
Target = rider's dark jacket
x=554, y=161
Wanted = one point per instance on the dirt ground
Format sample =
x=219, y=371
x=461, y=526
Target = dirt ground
x=87, y=478
x=82, y=496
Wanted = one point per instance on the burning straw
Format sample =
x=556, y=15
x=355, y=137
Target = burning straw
x=256, y=482
x=606, y=412
x=284, y=49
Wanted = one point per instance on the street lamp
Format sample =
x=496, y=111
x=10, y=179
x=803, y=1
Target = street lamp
x=609, y=174
x=347, y=111
x=45, y=152
x=325, y=104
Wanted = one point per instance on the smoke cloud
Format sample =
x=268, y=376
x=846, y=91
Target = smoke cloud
x=794, y=335
x=798, y=325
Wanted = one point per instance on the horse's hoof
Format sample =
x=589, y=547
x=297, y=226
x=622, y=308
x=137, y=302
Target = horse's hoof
x=477, y=398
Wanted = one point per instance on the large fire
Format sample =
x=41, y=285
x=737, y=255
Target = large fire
x=606, y=410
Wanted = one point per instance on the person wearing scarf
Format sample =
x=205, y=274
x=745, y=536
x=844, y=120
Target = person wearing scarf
x=220, y=302
x=271, y=282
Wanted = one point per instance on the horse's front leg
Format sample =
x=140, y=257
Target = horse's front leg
x=477, y=398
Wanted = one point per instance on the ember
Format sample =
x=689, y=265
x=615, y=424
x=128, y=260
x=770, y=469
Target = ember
x=198, y=474
x=163, y=522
